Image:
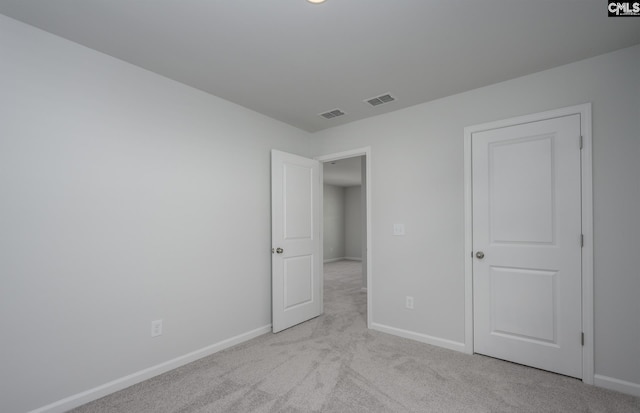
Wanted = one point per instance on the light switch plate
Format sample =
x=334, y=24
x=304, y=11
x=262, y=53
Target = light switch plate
x=398, y=229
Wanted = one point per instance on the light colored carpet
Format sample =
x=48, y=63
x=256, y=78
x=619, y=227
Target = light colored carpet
x=334, y=364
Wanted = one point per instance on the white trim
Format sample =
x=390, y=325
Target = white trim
x=618, y=385
x=366, y=152
x=588, y=311
x=342, y=259
x=113, y=386
x=423, y=338
x=468, y=245
x=584, y=111
x=321, y=235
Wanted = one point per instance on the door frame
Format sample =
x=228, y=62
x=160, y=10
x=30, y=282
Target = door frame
x=366, y=152
x=584, y=110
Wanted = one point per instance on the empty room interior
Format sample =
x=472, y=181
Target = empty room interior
x=319, y=206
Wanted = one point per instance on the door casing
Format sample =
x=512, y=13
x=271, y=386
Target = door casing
x=584, y=111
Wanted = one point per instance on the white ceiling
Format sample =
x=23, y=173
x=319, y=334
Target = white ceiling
x=292, y=60
x=343, y=172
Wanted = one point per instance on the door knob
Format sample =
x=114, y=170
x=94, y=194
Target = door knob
x=279, y=250
x=480, y=255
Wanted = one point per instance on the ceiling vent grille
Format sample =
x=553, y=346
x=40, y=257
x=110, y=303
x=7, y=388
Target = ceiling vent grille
x=332, y=114
x=379, y=100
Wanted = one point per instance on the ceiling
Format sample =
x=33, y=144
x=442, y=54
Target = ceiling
x=343, y=172
x=292, y=60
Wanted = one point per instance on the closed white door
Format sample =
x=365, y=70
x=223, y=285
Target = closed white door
x=527, y=302
x=295, y=220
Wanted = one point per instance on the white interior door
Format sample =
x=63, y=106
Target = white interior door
x=296, y=260
x=527, y=301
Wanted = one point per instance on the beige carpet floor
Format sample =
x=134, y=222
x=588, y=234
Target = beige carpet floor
x=334, y=364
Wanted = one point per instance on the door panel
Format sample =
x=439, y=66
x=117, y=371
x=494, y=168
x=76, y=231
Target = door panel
x=527, y=222
x=298, y=281
x=295, y=215
x=521, y=185
x=523, y=304
x=298, y=201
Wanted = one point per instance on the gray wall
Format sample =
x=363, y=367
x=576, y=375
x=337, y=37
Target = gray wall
x=353, y=222
x=417, y=179
x=342, y=236
x=126, y=197
x=334, y=229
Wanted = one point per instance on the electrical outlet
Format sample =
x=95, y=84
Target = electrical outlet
x=156, y=328
x=409, y=302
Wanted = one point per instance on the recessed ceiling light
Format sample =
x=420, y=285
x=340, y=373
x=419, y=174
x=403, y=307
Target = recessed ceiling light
x=316, y=1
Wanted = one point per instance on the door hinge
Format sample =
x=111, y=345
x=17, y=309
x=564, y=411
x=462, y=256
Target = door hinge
x=581, y=240
x=582, y=338
x=581, y=142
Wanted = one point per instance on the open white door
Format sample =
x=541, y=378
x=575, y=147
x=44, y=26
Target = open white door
x=295, y=231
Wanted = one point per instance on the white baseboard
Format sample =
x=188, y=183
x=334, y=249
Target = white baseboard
x=342, y=259
x=113, y=386
x=435, y=341
x=617, y=385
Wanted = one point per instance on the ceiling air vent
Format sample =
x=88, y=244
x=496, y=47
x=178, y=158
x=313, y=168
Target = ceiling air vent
x=380, y=100
x=332, y=114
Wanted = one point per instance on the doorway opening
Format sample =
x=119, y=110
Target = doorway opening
x=346, y=218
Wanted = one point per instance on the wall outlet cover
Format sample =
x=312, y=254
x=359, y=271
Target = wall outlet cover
x=156, y=328
x=409, y=302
